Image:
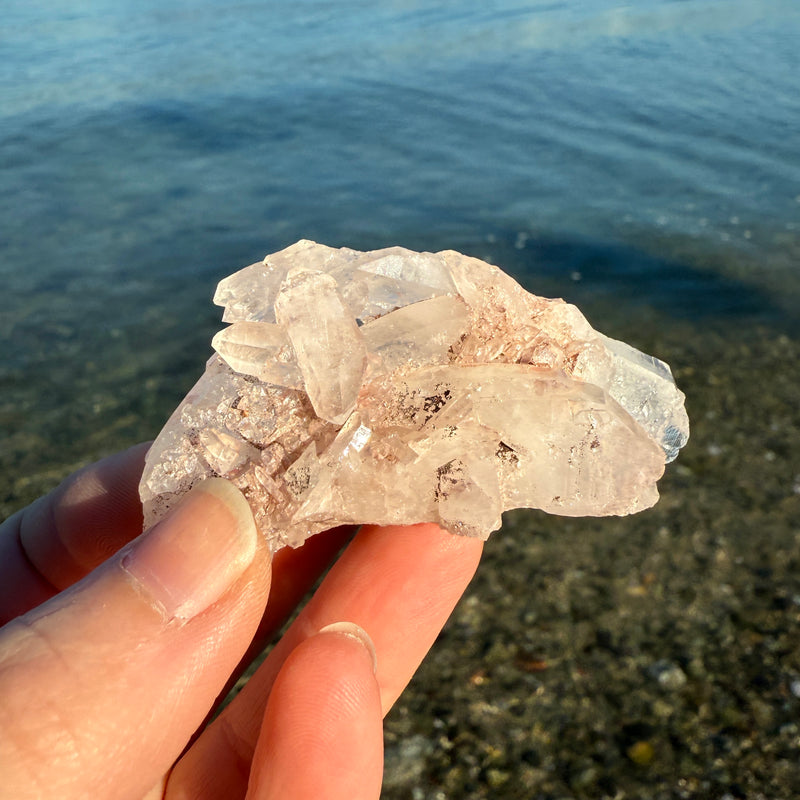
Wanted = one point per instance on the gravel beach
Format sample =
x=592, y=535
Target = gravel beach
x=653, y=656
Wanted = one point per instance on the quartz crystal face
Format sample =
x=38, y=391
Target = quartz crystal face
x=400, y=387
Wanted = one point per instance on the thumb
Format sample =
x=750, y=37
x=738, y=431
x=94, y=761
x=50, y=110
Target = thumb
x=102, y=686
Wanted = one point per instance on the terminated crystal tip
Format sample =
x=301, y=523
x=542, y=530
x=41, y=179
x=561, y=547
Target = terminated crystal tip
x=400, y=387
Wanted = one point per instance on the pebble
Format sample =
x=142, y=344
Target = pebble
x=670, y=676
x=641, y=753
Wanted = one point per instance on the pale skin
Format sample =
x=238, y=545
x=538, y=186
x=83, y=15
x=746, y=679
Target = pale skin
x=113, y=655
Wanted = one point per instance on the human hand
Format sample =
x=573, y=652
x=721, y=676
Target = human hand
x=116, y=651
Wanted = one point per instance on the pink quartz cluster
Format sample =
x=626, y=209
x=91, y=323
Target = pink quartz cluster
x=399, y=387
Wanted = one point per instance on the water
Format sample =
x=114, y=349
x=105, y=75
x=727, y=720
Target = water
x=641, y=156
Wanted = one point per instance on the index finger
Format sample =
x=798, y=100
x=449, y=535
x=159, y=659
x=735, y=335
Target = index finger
x=64, y=535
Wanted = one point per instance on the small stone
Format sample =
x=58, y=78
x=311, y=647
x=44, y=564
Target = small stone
x=497, y=778
x=641, y=753
x=670, y=676
x=394, y=387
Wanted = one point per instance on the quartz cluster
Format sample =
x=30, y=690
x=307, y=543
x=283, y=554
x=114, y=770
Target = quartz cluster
x=399, y=387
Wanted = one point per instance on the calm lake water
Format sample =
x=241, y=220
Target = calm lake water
x=637, y=155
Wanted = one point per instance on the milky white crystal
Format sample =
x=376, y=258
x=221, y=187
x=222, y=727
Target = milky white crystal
x=401, y=387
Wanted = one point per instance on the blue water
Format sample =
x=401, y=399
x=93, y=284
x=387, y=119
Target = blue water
x=646, y=153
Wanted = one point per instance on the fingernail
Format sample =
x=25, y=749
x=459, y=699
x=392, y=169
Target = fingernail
x=353, y=631
x=187, y=561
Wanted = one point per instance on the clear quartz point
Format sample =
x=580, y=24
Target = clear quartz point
x=395, y=387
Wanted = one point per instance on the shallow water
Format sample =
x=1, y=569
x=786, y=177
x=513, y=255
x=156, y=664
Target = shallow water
x=630, y=158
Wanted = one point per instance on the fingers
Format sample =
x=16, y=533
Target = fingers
x=322, y=733
x=399, y=584
x=294, y=572
x=63, y=536
x=104, y=684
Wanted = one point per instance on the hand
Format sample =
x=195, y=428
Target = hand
x=118, y=648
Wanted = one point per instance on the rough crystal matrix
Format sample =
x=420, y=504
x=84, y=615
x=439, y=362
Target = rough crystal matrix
x=401, y=387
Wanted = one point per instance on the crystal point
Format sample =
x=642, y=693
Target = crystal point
x=330, y=349
x=399, y=387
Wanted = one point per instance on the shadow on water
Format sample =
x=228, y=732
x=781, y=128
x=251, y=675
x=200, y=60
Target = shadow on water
x=589, y=272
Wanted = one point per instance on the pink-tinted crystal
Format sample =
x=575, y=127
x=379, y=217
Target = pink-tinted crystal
x=401, y=387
